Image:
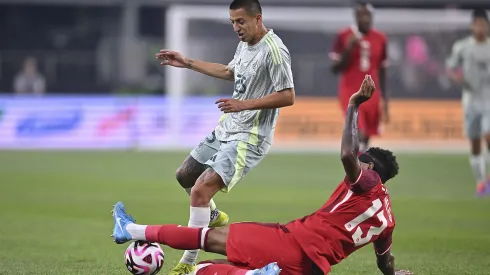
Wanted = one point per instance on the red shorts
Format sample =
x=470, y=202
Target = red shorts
x=369, y=115
x=255, y=245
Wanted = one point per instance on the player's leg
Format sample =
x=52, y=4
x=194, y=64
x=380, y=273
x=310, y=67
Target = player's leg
x=207, y=268
x=368, y=121
x=255, y=244
x=226, y=168
x=175, y=236
x=193, y=166
x=485, y=124
x=472, y=127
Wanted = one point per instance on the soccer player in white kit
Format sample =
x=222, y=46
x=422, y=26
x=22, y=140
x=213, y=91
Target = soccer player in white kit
x=261, y=70
x=472, y=56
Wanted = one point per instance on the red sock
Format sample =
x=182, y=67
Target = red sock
x=177, y=237
x=221, y=269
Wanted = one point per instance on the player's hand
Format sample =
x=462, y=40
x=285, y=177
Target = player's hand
x=230, y=105
x=172, y=58
x=352, y=41
x=457, y=78
x=403, y=272
x=365, y=92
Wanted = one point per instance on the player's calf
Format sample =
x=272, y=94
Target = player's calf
x=187, y=175
x=207, y=185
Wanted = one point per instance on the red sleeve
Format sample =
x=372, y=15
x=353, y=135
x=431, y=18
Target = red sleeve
x=366, y=181
x=337, y=48
x=384, y=241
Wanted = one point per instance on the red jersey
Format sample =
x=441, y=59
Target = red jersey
x=366, y=58
x=357, y=213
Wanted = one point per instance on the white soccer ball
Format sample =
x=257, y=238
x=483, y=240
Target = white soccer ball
x=144, y=258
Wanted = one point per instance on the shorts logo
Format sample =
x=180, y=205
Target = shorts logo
x=211, y=138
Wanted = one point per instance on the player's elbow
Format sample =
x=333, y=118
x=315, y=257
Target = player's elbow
x=229, y=75
x=346, y=155
x=288, y=97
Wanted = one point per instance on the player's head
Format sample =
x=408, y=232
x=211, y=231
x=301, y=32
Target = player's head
x=479, y=25
x=246, y=17
x=380, y=160
x=364, y=16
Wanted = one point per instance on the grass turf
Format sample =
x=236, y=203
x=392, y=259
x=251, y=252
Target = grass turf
x=55, y=208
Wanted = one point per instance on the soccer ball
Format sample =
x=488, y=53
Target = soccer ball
x=144, y=258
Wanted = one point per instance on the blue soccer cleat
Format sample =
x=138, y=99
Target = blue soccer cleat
x=121, y=220
x=270, y=269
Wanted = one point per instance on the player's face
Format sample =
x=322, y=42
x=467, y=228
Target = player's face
x=244, y=24
x=363, y=19
x=480, y=27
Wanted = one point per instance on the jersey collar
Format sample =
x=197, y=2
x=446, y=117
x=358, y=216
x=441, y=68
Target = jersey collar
x=270, y=31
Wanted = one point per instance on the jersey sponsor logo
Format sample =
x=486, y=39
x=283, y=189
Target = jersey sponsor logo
x=43, y=123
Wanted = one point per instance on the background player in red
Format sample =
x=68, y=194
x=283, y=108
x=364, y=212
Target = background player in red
x=357, y=51
x=357, y=213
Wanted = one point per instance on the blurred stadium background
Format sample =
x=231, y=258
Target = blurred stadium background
x=124, y=125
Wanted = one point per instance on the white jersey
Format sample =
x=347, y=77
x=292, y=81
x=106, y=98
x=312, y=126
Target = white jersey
x=474, y=59
x=259, y=70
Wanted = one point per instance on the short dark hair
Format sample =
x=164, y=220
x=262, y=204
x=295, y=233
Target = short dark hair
x=479, y=13
x=251, y=6
x=364, y=4
x=385, y=163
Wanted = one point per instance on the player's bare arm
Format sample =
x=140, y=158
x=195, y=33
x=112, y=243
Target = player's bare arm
x=386, y=263
x=279, y=99
x=350, y=139
x=176, y=59
x=340, y=63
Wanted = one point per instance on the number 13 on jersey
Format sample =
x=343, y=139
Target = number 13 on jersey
x=356, y=224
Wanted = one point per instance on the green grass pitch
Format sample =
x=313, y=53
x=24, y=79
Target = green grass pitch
x=55, y=208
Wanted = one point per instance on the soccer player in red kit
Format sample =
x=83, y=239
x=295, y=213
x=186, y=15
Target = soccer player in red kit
x=357, y=51
x=357, y=213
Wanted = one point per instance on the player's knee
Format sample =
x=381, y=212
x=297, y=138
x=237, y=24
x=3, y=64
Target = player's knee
x=184, y=179
x=216, y=240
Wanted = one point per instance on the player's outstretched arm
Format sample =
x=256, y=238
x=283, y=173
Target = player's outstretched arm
x=176, y=59
x=350, y=139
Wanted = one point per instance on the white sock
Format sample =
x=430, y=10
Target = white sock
x=212, y=205
x=478, y=164
x=199, y=218
x=137, y=231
